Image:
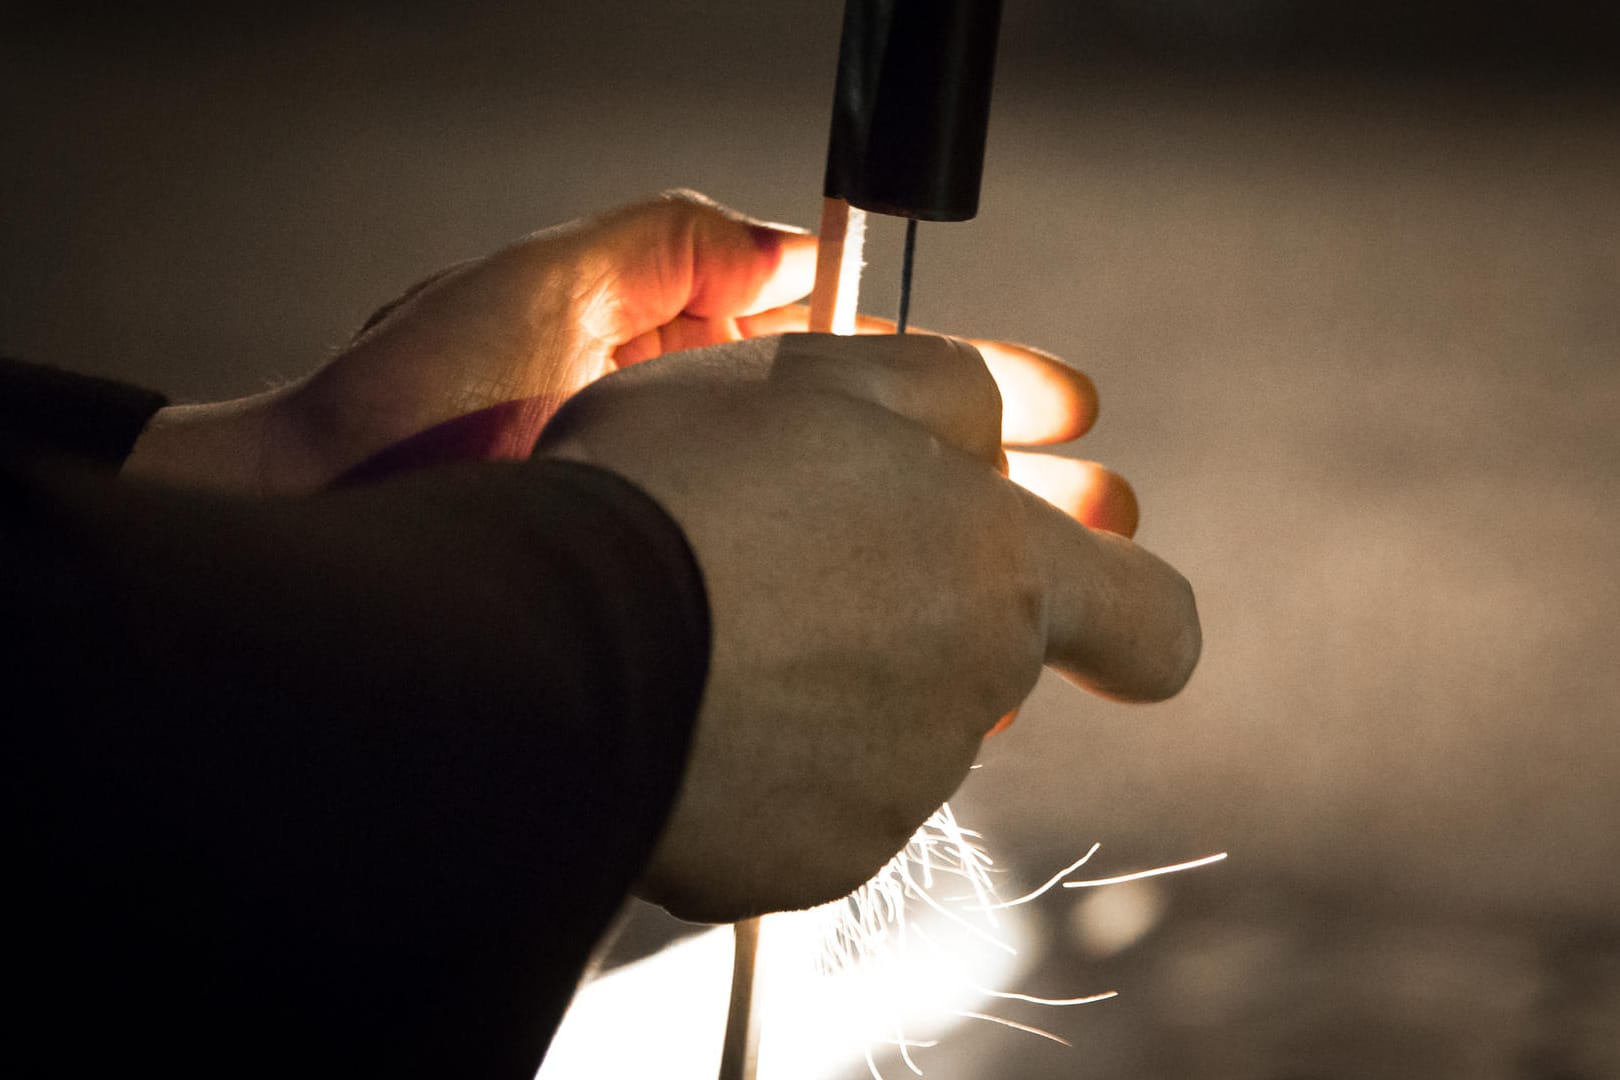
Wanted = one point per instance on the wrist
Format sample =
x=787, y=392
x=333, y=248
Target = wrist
x=248, y=446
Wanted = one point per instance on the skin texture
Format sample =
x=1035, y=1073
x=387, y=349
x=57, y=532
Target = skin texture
x=880, y=596
x=880, y=592
x=540, y=319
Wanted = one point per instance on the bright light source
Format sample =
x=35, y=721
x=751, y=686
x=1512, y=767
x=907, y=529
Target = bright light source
x=918, y=976
x=665, y=1016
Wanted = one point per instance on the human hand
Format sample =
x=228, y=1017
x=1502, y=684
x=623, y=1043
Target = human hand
x=469, y=364
x=880, y=595
x=515, y=332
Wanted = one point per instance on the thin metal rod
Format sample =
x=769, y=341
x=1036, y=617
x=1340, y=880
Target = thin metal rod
x=907, y=261
x=739, y=1055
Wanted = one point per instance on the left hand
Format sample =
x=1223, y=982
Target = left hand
x=471, y=363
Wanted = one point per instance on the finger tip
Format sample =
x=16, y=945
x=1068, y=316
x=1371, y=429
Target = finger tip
x=1071, y=397
x=1091, y=494
x=1083, y=395
x=1045, y=400
x=1117, y=509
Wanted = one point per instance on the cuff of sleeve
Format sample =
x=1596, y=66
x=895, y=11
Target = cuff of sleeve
x=59, y=412
x=652, y=628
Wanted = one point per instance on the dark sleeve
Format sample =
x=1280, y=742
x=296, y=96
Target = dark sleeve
x=93, y=420
x=341, y=785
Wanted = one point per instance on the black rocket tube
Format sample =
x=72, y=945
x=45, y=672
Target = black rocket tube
x=912, y=105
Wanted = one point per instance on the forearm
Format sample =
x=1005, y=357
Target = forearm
x=408, y=744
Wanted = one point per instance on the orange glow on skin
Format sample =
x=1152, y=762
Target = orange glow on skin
x=1087, y=492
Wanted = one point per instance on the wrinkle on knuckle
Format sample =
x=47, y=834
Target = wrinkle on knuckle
x=685, y=213
x=947, y=383
x=978, y=397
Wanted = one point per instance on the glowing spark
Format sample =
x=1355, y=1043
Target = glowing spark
x=905, y=1054
x=1140, y=874
x=1015, y=1025
x=1008, y=995
x=861, y=922
x=871, y=932
x=1055, y=878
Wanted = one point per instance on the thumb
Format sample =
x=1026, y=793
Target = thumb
x=1121, y=622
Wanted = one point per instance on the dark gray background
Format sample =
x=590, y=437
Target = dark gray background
x=1348, y=278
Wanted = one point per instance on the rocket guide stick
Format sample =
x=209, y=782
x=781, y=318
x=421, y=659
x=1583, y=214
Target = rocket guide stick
x=911, y=109
x=910, y=112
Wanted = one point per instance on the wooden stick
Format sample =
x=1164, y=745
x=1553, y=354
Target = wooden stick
x=832, y=310
x=838, y=268
x=739, y=1056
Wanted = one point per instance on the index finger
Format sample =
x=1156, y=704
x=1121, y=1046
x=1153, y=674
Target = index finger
x=643, y=265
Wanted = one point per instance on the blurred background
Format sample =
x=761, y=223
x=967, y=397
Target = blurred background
x=1348, y=278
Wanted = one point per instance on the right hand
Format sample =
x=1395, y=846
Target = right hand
x=879, y=594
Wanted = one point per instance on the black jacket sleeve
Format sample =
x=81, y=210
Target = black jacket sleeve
x=348, y=784
x=96, y=421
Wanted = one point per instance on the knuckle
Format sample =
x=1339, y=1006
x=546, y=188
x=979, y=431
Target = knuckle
x=961, y=394
x=929, y=352
x=683, y=198
x=1023, y=643
x=686, y=209
x=940, y=383
x=978, y=400
x=667, y=217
